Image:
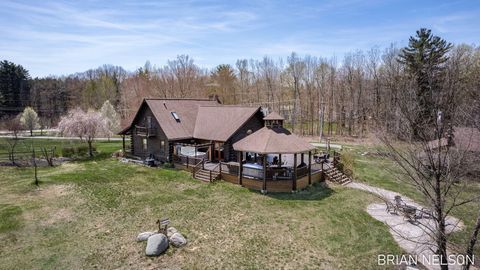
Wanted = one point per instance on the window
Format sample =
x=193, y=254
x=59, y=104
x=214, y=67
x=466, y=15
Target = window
x=162, y=147
x=175, y=116
x=149, y=122
x=145, y=144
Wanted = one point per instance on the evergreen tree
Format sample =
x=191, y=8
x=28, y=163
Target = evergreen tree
x=14, y=87
x=424, y=59
x=224, y=81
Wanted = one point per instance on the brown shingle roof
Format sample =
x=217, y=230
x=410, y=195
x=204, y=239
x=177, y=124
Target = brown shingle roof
x=273, y=140
x=186, y=109
x=273, y=116
x=219, y=123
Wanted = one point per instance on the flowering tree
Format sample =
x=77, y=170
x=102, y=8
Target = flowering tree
x=85, y=125
x=29, y=119
x=111, y=118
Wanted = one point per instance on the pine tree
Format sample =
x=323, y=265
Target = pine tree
x=424, y=60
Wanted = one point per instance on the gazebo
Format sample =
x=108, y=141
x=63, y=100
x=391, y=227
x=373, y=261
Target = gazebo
x=273, y=139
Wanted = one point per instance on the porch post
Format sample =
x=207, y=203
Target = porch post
x=301, y=157
x=309, y=167
x=294, y=180
x=240, y=167
x=123, y=144
x=279, y=160
x=264, y=187
x=212, y=149
x=322, y=176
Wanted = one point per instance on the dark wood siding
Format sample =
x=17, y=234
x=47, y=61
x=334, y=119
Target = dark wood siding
x=255, y=123
x=154, y=143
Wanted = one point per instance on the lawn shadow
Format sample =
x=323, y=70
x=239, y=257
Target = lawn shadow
x=315, y=192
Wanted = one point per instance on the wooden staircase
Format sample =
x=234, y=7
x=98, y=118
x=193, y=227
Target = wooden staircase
x=334, y=175
x=201, y=173
x=206, y=175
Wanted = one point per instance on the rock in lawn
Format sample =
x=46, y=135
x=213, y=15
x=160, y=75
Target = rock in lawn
x=156, y=245
x=171, y=231
x=178, y=240
x=144, y=236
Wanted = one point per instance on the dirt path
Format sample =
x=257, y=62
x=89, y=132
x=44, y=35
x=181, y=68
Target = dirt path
x=413, y=238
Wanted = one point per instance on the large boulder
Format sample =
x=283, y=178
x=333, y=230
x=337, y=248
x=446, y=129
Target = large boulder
x=144, y=236
x=178, y=240
x=156, y=244
x=171, y=231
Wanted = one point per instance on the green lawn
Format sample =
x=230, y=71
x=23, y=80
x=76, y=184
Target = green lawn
x=88, y=213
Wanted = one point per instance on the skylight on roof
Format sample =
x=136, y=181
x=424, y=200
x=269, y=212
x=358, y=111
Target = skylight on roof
x=175, y=116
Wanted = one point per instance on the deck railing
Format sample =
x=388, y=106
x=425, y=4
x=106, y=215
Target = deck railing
x=186, y=160
x=200, y=165
x=273, y=173
x=144, y=131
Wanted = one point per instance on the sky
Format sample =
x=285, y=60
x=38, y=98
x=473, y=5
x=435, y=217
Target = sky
x=64, y=37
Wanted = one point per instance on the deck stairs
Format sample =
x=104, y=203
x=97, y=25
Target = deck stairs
x=336, y=176
x=208, y=173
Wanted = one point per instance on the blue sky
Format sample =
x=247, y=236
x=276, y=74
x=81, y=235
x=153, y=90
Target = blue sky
x=57, y=37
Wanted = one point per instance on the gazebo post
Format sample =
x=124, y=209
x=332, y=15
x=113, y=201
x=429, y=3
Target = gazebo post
x=264, y=187
x=279, y=160
x=240, y=167
x=294, y=182
x=302, y=158
x=309, y=167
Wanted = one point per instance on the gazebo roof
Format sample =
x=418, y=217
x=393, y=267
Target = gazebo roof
x=273, y=116
x=273, y=140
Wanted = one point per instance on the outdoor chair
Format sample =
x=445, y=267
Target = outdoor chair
x=410, y=213
x=391, y=209
x=399, y=203
x=426, y=213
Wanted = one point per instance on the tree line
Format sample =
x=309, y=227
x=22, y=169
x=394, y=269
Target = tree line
x=351, y=96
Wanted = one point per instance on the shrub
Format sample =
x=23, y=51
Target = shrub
x=168, y=165
x=81, y=150
x=68, y=151
x=76, y=151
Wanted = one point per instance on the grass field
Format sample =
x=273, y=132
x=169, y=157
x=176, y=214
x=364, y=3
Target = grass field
x=87, y=214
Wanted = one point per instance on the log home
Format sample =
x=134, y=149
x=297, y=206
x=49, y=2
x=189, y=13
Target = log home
x=236, y=143
x=166, y=129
